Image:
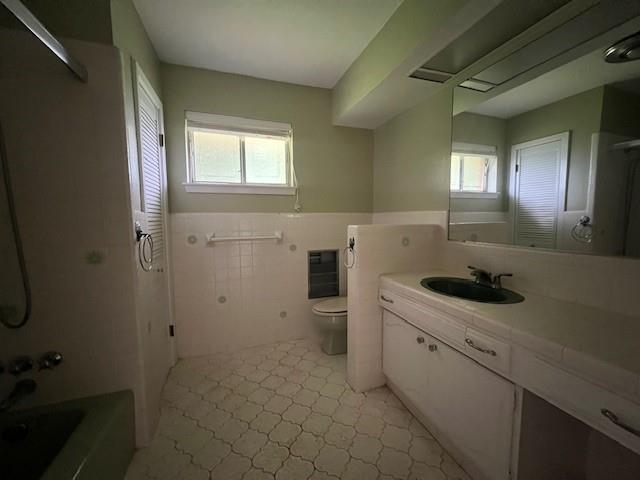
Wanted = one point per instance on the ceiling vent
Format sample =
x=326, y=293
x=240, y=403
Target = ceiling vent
x=431, y=75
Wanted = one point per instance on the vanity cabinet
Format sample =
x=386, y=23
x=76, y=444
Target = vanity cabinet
x=470, y=406
x=405, y=358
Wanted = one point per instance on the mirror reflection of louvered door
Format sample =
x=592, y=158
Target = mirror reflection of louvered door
x=539, y=185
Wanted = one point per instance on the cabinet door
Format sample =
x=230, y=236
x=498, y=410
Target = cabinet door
x=404, y=359
x=473, y=407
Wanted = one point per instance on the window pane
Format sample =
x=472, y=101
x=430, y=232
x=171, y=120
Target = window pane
x=473, y=175
x=455, y=172
x=265, y=160
x=217, y=157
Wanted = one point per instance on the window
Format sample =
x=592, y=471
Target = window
x=238, y=155
x=474, y=170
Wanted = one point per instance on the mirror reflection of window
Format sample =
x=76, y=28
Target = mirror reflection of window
x=473, y=173
x=474, y=168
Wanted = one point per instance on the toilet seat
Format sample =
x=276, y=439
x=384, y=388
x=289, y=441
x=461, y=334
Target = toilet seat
x=332, y=306
x=331, y=319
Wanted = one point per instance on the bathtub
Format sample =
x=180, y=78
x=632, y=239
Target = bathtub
x=88, y=438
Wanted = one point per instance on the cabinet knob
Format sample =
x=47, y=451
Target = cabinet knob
x=433, y=347
x=420, y=340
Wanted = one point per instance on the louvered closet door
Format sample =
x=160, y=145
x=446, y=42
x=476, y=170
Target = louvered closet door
x=538, y=185
x=152, y=174
x=153, y=295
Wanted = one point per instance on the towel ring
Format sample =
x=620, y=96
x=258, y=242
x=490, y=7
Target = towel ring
x=145, y=246
x=346, y=251
x=583, y=230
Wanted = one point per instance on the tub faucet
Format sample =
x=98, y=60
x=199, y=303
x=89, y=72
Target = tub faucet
x=20, y=391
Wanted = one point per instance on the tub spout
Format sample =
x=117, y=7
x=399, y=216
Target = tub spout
x=20, y=391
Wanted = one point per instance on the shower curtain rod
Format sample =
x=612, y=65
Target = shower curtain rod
x=30, y=21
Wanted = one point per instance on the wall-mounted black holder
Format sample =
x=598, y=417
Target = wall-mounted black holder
x=324, y=278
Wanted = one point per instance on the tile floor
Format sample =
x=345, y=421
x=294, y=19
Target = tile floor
x=284, y=411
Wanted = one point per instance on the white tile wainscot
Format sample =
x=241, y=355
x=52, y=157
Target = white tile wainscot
x=232, y=295
x=380, y=249
x=581, y=359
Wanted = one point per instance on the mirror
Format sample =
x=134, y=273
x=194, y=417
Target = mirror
x=552, y=162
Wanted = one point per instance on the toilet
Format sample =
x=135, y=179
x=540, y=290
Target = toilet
x=331, y=317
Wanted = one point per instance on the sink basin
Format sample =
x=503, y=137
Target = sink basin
x=470, y=290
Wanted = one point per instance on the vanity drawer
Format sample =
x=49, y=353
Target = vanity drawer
x=488, y=351
x=430, y=321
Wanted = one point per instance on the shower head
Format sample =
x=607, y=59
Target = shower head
x=624, y=50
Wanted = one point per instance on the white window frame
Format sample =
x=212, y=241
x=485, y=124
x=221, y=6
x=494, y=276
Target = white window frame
x=238, y=126
x=459, y=148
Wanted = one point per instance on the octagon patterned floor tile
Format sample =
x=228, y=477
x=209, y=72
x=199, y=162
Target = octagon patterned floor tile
x=284, y=411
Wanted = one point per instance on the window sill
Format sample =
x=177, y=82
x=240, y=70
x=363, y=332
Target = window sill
x=242, y=189
x=477, y=195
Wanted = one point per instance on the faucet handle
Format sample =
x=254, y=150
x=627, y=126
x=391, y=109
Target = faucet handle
x=497, y=279
x=20, y=365
x=50, y=360
x=476, y=269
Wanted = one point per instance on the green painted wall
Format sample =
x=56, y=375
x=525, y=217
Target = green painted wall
x=412, y=158
x=333, y=164
x=408, y=28
x=579, y=114
x=131, y=38
x=484, y=130
x=81, y=19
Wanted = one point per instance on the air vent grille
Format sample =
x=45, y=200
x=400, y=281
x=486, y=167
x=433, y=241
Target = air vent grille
x=431, y=75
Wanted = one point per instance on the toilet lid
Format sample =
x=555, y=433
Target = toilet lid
x=332, y=305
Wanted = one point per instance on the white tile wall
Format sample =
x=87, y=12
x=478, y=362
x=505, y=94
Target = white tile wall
x=485, y=231
x=380, y=249
x=259, y=280
x=72, y=196
x=420, y=217
x=609, y=283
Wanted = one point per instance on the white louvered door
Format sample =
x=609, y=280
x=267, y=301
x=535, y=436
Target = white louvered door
x=539, y=190
x=153, y=295
x=152, y=170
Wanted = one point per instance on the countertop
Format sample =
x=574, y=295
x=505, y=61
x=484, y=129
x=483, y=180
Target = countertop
x=600, y=344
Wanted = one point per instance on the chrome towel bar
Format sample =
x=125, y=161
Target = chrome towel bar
x=277, y=235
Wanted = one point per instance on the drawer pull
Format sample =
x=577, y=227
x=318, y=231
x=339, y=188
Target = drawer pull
x=488, y=351
x=385, y=299
x=613, y=418
x=420, y=340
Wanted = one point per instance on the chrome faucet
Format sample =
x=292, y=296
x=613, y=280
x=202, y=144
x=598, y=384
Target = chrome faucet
x=484, y=277
x=49, y=360
x=20, y=390
x=20, y=365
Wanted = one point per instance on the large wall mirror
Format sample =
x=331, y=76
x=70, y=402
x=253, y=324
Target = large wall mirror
x=551, y=162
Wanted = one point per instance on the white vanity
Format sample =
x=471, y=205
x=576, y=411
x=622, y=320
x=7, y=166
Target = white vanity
x=462, y=368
